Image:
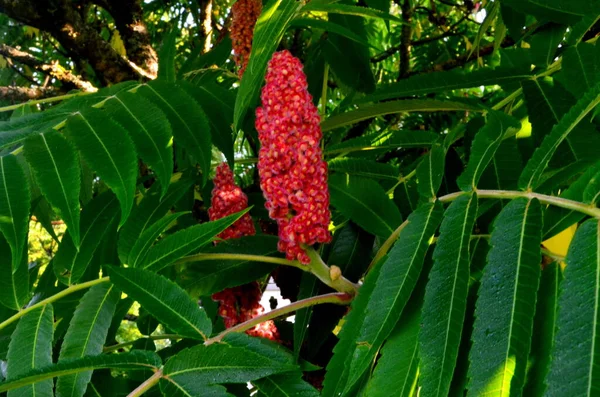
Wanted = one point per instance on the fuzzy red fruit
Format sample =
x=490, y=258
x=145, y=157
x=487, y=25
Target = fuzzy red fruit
x=293, y=174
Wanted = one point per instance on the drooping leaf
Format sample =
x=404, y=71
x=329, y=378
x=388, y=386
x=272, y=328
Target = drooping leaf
x=384, y=141
x=56, y=167
x=181, y=243
x=367, y=111
x=150, y=209
x=69, y=263
x=207, y=276
x=14, y=286
x=328, y=26
x=575, y=357
x=135, y=360
x=446, y=298
x=14, y=207
x=166, y=56
x=485, y=144
x=506, y=304
x=108, y=149
x=86, y=335
x=362, y=167
x=309, y=286
x=149, y=129
x=31, y=347
x=238, y=359
x=532, y=173
x=164, y=300
x=430, y=172
x=285, y=385
x=268, y=31
x=365, y=202
x=188, y=121
x=397, y=279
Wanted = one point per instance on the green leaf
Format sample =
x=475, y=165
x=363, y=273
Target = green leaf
x=204, y=278
x=31, y=347
x=14, y=286
x=446, y=81
x=238, y=359
x=386, y=140
x=580, y=28
x=560, y=11
x=182, y=242
x=503, y=171
x=149, y=129
x=530, y=177
x=345, y=9
x=575, y=356
x=166, y=56
x=367, y=111
x=198, y=60
x=362, y=167
x=430, y=172
x=578, y=72
x=592, y=190
x=188, y=121
x=328, y=26
x=506, y=304
x=86, y=335
x=365, y=202
x=164, y=300
x=309, y=286
x=140, y=249
x=545, y=43
x=544, y=329
x=446, y=298
x=14, y=207
x=136, y=360
x=150, y=209
x=96, y=217
x=397, y=279
x=285, y=385
x=484, y=146
x=107, y=148
x=56, y=167
x=397, y=367
x=268, y=31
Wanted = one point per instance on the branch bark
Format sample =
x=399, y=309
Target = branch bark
x=22, y=94
x=405, y=39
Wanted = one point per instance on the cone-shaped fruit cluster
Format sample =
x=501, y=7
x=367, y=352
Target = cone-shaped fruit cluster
x=293, y=175
x=244, y=16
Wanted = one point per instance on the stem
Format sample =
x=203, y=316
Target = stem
x=508, y=99
x=253, y=258
x=545, y=199
x=402, y=179
x=385, y=247
x=53, y=298
x=43, y=100
x=339, y=298
x=108, y=349
x=552, y=255
x=322, y=272
x=147, y=385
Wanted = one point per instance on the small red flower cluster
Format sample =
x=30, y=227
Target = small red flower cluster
x=244, y=16
x=242, y=303
x=293, y=175
x=227, y=199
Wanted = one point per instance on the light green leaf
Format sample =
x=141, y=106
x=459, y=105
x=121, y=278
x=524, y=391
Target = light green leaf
x=69, y=264
x=362, y=167
x=446, y=298
x=31, y=347
x=56, y=167
x=365, y=202
x=285, y=385
x=164, y=300
x=149, y=129
x=530, y=177
x=140, y=249
x=396, y=281
x=345, y=9
x=14, y=207
x=188, y=121
x=14, y=287
x=207, y=276
x=150, y=209
x=367, y=111
x=86, y=335
x=506, y=304
x=107, y=148
x=238, y=359
x=430, y=172
x=575, y=355
x=385, y=141
x=166, y=56
x=484, y=146
x=268, y=31
x=181, y=243
x=397, y=367
x=136, y=360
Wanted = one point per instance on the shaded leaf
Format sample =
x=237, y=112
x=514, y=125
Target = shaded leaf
x=14, y=286
x=285, y=385
x=166, y=56
x=560, y=11
x=579, y=68
x=430, y=172
x=384, y=141
x=362, y=167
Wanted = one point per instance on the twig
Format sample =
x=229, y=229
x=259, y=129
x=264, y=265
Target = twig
x=147, y=385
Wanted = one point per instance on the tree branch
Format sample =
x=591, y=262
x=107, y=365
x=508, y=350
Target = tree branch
x=22, y=94
x=53, y=69
x=392, y=50
x=405, y=39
